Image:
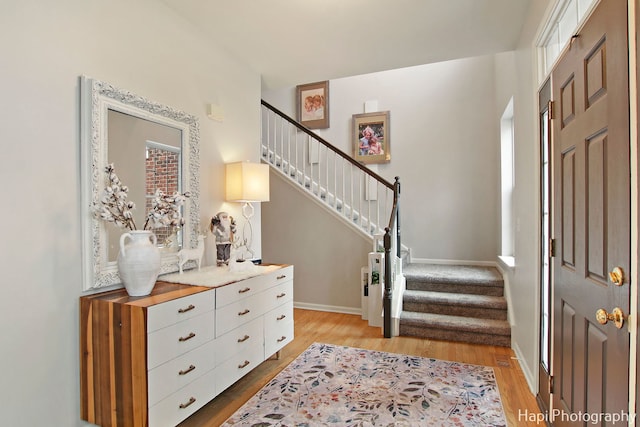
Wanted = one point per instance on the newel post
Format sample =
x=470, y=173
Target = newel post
x=387, y=298
x=396, y=196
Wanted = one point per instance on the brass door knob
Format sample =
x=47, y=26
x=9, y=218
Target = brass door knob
x=617, y=276
x=616, y=316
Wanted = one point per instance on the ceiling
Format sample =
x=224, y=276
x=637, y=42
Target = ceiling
x=291, y=42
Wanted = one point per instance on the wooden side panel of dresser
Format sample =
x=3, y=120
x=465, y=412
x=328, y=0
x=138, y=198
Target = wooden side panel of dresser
x=113, y=382
x=113, y=372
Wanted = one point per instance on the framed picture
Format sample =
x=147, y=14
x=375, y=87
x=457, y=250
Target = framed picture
x=313, y=105
x=371, y=137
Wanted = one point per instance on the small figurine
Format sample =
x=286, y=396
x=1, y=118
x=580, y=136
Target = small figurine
x=195, y=254
x=223, y=226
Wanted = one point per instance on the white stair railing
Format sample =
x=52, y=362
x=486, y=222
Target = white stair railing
x=349, y=189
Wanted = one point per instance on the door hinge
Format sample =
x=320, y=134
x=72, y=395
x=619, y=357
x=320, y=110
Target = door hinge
x=552, y=248
x=550, y=384
x=550, y=108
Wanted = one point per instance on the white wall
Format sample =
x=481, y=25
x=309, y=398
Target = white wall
x=46, y=46
x=517, y=72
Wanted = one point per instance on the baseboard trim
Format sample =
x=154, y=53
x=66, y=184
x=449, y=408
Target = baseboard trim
x=453, y=262
x=528, y=375
x=329, y=308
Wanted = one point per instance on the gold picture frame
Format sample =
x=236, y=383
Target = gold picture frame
x=371, y=137
x=312, y=101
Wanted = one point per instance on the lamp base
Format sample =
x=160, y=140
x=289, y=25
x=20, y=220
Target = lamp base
x=247, y=230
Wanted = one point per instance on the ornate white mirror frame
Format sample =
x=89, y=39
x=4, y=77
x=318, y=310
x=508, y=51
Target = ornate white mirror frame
x=96, y=99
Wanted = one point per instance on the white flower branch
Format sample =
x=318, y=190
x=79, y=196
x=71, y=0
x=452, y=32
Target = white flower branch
x=114, y=207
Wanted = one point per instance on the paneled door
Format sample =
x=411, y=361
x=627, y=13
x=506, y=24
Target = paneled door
x=591, y=217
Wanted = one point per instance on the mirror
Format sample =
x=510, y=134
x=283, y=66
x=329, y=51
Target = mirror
x=151, y=146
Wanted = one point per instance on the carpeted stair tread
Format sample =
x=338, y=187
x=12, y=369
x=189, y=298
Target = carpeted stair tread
x=443, y=273
x=448, y=298
x=456, y=328
x=469, y=305
x=459, y=323
x=458, y=278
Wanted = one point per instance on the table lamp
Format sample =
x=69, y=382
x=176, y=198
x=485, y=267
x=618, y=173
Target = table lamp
x=247, y=183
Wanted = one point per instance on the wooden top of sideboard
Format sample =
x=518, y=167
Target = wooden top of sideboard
x=162, y=292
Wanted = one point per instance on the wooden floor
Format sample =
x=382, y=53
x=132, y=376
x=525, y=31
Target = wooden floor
x=351, y=330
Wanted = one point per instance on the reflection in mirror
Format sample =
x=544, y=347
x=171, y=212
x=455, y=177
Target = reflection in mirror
x=152, y=147
x=146, y=155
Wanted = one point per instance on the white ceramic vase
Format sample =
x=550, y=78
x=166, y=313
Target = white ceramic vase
x=139, y=262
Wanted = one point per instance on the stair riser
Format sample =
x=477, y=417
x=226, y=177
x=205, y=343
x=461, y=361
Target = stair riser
x=479, y=312
x=458, y=336
x=457, y=288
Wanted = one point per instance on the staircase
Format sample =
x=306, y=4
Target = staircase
x=355, y=194
x=455, y=303
x=440, y=302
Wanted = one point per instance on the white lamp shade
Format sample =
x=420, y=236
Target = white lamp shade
x=247, y=182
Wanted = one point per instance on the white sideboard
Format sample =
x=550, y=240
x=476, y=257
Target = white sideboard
x=155, y=360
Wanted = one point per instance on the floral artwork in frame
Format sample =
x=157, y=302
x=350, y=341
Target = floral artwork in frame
x=371, y=137
x=312, y=101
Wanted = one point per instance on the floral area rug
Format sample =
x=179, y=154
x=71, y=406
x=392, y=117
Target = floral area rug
x=331, y=385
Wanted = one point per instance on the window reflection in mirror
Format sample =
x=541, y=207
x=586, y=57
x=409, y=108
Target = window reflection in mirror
x=146, y=156
x=163, y=173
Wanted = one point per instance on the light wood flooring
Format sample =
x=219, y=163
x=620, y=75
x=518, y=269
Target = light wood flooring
x=351, y=330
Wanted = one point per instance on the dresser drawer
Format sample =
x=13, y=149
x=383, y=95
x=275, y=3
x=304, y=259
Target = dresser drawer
x=238, y=313
x=278, y=316
x=279, y=329
x=173, y=375
x=181, y=404
x=238, y=366
x=174, y=340
x=277, y=295
x=239, y=340
x=236, y=291
x=280, y=276
x=179, y=309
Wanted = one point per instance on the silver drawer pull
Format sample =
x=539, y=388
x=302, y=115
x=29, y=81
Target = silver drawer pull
x=187, y=338
x=282, y=316
x=243, y=312
x=186, y=371
x=184, y=310
x=281, y=295
x=281, y=277
x=282, y=338
x=242, y=291
x=190, y=402
x=244, y=338
x=244, y=365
